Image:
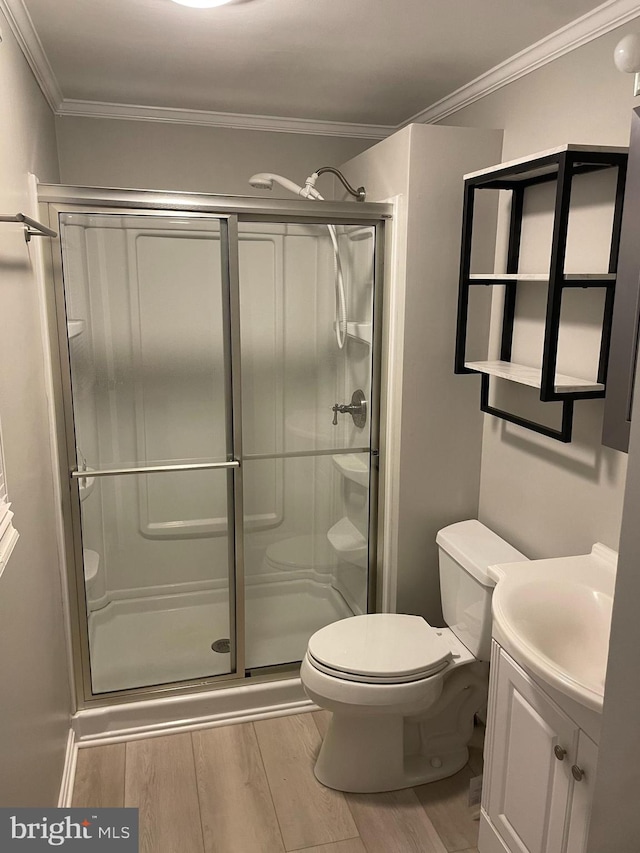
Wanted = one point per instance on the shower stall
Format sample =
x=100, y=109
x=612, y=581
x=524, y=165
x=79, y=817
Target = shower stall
x=218, y=449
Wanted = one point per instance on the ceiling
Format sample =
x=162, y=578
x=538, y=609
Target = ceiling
x=358, y=61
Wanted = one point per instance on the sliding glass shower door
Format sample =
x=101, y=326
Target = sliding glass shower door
x=219, y=409
x=147, y=305
x=306, y=464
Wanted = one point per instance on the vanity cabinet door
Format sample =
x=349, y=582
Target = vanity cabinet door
x=585, y=774
x=533, y=745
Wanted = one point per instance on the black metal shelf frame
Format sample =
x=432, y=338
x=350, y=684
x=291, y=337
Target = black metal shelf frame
x=561, y=167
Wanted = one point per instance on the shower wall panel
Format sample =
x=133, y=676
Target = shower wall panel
x=357, y=251
x=153, y=326
x=324, y=531
x=287, y=351
x=148, y=369
x=78, y=300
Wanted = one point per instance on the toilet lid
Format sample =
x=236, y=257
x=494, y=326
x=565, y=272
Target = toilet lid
x=380, y=647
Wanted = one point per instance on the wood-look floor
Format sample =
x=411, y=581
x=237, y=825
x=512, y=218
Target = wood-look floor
x=250, y=788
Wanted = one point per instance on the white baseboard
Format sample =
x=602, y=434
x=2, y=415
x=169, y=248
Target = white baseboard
x=69, y=772
x=155, y=717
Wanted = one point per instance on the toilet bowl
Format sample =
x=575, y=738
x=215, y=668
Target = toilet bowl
x=404, y=694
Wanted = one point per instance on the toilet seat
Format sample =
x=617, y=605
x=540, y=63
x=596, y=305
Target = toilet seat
x=379, y=648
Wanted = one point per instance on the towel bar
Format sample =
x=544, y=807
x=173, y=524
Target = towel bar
x=32, y=228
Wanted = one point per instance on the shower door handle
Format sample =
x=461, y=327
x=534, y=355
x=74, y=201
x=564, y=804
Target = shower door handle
x=77, y=474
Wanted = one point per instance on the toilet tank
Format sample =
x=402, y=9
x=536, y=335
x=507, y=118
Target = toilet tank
x=465, y=551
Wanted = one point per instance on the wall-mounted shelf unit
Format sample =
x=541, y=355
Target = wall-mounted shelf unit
x=559, y=165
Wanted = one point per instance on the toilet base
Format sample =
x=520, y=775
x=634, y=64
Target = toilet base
x=364, y=755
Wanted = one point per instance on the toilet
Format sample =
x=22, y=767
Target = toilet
x=404, y=694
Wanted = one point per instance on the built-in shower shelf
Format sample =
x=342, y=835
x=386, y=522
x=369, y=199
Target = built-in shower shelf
x=359, y=332
x=348, y=543
x=354, y=467
x=75, y=328
x=91, y=564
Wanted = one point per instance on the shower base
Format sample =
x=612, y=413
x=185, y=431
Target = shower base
x=140, y=642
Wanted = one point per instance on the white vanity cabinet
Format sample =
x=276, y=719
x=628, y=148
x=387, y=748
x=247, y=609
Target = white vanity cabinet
x=539, y=768
x=582, y=795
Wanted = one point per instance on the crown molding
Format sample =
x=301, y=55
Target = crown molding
x=22, y=28
x=237, y=121
x=598, y=22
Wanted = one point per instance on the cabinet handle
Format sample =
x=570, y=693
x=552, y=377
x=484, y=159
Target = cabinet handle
x=577, y=773
x=559, y=752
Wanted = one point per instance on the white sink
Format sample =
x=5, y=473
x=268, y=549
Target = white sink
x=554, y=617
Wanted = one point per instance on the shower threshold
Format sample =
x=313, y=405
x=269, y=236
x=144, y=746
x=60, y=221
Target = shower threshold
x=140, y=642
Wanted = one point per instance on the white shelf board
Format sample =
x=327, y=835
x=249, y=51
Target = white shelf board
x=525, y=375
x=541, y=276
x=531, y=158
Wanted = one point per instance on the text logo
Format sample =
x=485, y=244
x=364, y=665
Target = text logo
x=105, y=830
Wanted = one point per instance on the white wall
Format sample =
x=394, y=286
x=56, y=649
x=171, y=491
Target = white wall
x=432, y=455
x=34, y=722
x=547, y=498
x=615, y=821
x=550, y=499
x=155, y=155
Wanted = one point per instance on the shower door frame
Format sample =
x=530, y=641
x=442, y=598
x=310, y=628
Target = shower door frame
x=58, y=199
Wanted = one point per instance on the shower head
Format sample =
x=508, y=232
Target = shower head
x=265, y=181
x=261, y=181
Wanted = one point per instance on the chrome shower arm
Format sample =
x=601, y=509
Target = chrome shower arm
x=360, y=194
